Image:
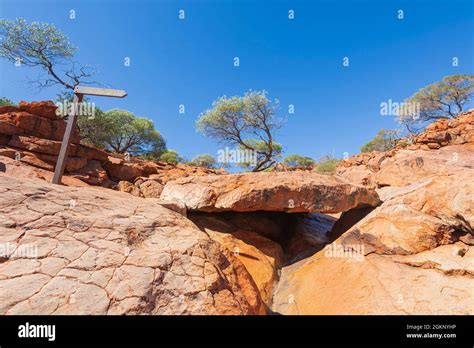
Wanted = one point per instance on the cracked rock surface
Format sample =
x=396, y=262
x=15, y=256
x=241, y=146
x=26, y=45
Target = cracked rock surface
x=82, y=250
x=269, y=191
x=411, y=255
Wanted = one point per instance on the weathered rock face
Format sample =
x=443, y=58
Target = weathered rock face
x=458, y=131
x=43, y=109
x=261, y=256
x=21, y=121
x=412, y=254
x=76, y=251
x=290, y=192
x=431, y=215
x=445, y=147
x=404, y=167
x=336, y=284
x=308, y=234
x=21, y=169
x=32, y=133
x=234, y=244
x=407, y=167
x=407, y=256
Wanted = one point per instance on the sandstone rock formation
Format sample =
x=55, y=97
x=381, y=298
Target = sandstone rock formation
x=309, y=234
x=336, y=283
x=261, y=256
x=412, y=254
x=444, y=147
x=97, y=251
x=289, y=192
x=186, y=240
x=32, y=133
x=434, y=213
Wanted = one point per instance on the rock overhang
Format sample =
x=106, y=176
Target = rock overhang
x=269, y=191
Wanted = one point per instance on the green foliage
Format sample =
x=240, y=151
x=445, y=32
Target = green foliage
x=327, y=165
x=42, y=45
x=171, y=156
x=297, y=161
x=204, y=160
x=256, y=151
x=238, y=120
x=384, y=140
x=5, y=101
x=33, y=42
x=444, y=99
x=126, y=132
x=121, y=131
x=118, y=131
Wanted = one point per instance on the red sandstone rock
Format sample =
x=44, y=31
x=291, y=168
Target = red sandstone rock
x=405, y=257
x=100, y=251
x=273, y=191
x=8, y=108
x=45, y=109
x=93, y=174
x=24, y=123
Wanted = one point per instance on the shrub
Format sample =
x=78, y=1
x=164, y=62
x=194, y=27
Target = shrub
x=327, y=166
x=297, y=161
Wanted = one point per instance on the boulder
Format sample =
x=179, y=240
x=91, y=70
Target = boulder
x=444, y=147
x=93, y=174
x=445, y=132
x=419, y=220
x=121, y=170
x=358, y=175
x=91, y=153
x=151, y=189
x=76, y=251
x=128, y=187
x=273, y=191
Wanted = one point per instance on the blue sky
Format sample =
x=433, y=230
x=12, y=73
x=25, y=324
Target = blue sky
x=299, y=61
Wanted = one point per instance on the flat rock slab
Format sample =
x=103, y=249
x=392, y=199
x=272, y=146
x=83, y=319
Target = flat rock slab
x=68, y=250
x=289, y=192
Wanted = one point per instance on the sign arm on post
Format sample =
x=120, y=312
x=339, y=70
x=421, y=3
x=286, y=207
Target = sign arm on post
x=102, y=92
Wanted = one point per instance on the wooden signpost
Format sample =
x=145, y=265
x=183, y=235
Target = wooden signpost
x=79, y=93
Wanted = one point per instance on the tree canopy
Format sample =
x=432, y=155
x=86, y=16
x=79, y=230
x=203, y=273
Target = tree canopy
x=297, y=161
x=171, y=156
x=128, y=133
x=204, y=160
x=5, y=101
x=444, y=99
x=42, y=45
x=384, y=140
x=327, y=165
x=121, y=131
x=248, y=123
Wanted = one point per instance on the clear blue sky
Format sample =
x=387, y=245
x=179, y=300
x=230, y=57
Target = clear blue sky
x=190, y=62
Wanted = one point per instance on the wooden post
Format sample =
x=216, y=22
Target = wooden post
x=63, y=153
x=79, y=93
